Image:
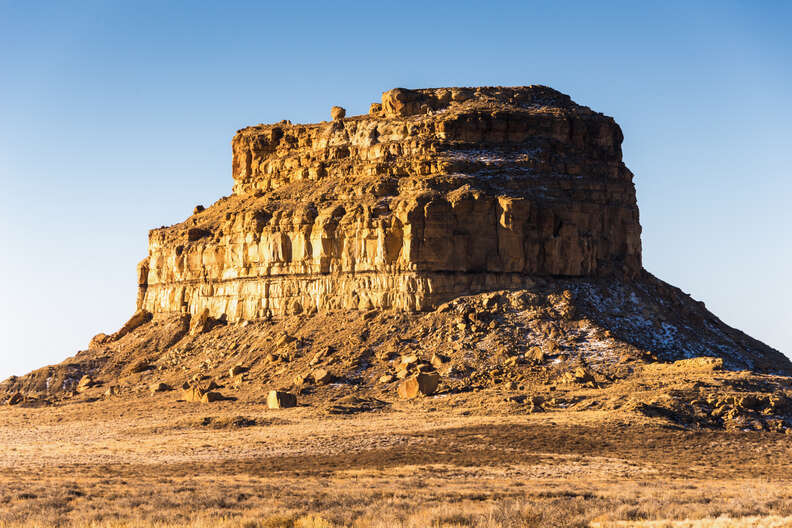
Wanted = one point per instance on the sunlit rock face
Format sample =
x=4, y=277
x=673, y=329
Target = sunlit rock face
x=434, y=194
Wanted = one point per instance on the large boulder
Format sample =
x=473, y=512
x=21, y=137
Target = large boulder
x=281, y=400
x=424, y=383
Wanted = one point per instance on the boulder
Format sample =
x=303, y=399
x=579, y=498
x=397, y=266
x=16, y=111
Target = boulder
x=375, y=108
x=535, y=354
x=85, y=383
x=386, y=378
x=210, y=396
x=237, y=370
x=159, y=387
x=281, y=400
x=580, y=376
x=337, y=113
x=424, y=383
x=138, y=319
x=98, y=340
x=141, y=365
x=409, y=360
x=284, y=340
x=201, y=322
x=112, y=390
x=193, y=394
x=321, y=376
x=438, y=360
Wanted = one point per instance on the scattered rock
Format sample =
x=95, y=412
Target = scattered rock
x=199, y=394
x=438, y=360
x=386, y=378
x=98, y=340
x=192, y=394
x=536, y=354
x=85, y=383
x=281, y=400
x=284, y=340
x=141, y=365
x=337, y=113
x=321, y=376
x=201, y=323
x=409, y=360
x=237, y=370
x=424, y=383
x=210, y=397
x=159, y=387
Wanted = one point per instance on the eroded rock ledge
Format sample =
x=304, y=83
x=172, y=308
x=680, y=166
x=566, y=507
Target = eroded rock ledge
x=434, y=194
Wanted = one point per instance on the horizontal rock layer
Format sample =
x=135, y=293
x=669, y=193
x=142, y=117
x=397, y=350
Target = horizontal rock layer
x=435, y=194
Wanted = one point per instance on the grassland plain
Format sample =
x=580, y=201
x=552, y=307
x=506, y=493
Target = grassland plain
x=153, y=461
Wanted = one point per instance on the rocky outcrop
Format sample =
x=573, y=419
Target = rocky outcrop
x=433, y=194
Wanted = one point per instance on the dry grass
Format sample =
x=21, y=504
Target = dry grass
x=153, y=462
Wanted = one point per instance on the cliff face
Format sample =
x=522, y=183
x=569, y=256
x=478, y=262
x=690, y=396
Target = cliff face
x=434, y=194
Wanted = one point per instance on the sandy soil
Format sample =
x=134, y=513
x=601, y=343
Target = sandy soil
x=153, y=459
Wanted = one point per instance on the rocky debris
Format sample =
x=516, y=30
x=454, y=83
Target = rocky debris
x=15, y=399
x=697, y=364
x=284, y=340
x=98, y=340
x=321, y=355
x=580, y=376
x=202, y=323
x=354, y=404
x=438, y=360
x=112, y=390
x=337, y=113
x=424, y=383
x=212, y=397
x=237, y=370
x=322, y=376
x=139, y=318
x=85, y=383
x=281, y=400
x=139, y=365
x=159, y=387
x=199, y=394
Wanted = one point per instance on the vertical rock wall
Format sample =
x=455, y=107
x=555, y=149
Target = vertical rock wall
x=436, y=193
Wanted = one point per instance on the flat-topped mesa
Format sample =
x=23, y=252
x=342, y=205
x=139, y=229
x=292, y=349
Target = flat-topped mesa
x=434, y=194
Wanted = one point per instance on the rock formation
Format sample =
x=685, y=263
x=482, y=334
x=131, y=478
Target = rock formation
x=450, y=241
x=434, y=194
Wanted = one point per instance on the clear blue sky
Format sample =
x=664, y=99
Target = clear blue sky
x=116, y=117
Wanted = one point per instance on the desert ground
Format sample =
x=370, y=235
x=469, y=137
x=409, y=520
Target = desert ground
x=151, y=460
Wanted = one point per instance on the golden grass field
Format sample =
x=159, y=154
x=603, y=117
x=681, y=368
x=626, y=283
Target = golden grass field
x=153, y=461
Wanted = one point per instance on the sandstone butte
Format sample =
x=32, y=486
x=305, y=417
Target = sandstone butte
x=434, y=194
x=493, y=229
